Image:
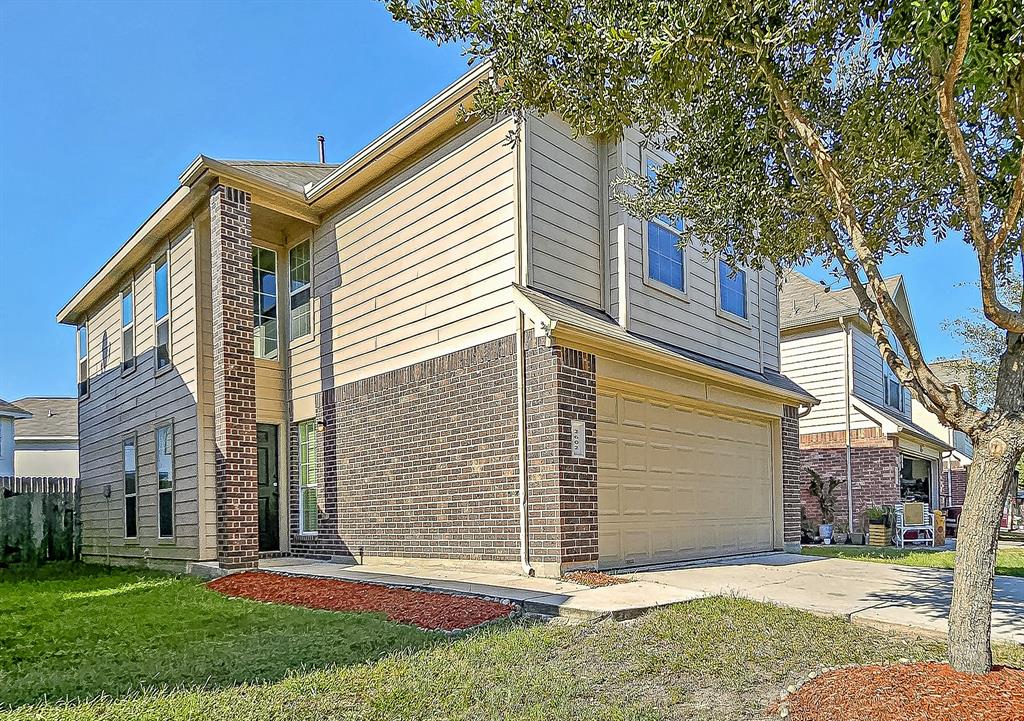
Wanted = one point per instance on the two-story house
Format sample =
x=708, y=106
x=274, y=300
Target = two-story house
x=863, y=432
x=9, y=413
x=447, y=347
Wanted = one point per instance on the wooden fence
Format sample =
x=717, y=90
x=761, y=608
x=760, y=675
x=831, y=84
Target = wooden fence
x=39, y=520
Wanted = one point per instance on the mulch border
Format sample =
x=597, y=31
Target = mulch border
x=782, y=705
x=515, y=609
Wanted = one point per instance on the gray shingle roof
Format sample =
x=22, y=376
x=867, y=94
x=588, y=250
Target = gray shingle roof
x=906, y=424
x=51, y=418
x=581, y=316
x=293, y=175
x=802, y=301
x=10, y=409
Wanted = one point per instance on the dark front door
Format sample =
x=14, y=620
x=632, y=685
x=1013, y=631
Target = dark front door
x=266, y=471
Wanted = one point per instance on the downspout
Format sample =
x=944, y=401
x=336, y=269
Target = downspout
x=847, y=373
x=945, y=457
x=524, y=490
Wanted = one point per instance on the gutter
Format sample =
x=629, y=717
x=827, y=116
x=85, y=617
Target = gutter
x=524, y=487
x=847, y=382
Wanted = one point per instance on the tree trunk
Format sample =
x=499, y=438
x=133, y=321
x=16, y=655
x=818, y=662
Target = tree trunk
x=996, y=453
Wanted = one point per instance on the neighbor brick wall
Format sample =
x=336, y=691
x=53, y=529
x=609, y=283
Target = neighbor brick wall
x=791, y=475
x=953, y=482
x=233, y=378
x=875, y=463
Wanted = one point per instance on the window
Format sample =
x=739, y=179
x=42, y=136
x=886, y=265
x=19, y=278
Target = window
x=162, y=315
x=264, y=302
x=893, y=391
x=127, y=330
x=732, y=289
x=299, y=275
x=165, y=480
x=665, y=262
x=131, y=488
x=307, y=478
x=83, y=361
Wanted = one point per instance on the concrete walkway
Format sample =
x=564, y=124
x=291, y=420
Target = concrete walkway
x=870, y=593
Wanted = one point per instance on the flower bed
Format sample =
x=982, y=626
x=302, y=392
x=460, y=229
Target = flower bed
x=428, y=610
x=906, y=692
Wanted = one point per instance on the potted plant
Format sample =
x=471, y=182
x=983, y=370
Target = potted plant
x=824, y=492
x=841, y=531
x=878, y=525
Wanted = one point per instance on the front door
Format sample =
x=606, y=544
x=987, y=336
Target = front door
x=266, y=471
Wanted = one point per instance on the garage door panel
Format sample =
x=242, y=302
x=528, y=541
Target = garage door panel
x=675, y=482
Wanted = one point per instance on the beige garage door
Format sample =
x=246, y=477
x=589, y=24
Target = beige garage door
x=676, y=482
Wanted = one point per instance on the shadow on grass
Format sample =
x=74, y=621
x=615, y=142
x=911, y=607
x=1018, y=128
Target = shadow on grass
x=77, y=632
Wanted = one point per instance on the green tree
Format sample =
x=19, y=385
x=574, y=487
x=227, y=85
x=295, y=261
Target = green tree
x=848, y=129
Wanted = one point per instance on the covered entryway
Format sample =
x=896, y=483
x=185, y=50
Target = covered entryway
x=679, y=482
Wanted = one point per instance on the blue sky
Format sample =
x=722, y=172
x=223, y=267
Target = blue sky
x=105, y=103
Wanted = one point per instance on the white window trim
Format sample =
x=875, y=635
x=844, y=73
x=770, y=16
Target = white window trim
x=728, y=315
x=159, y=491
x=276, y=358
x=132, y=325
x=79, y=358
x=134, y=438
x=305, y=337
x=888, y=373
x=646, y=157
x=166, y=260
x=300, y=484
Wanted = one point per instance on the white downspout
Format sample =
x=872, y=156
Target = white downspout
x=524, y=489
x=847, y=380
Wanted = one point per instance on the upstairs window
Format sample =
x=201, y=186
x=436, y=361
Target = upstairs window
x=264, y=302
x=165, y=480
x=127, y=330
x=732, y=289
x=83, y=361
x=892, y=390
x=131, y=487
x=162, y=314
x=665, y=260
x=307, y=478
x=299, y=278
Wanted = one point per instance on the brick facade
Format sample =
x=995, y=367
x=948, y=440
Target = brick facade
x=422, y=462
x=875, y=465
x=953, y=483
x=791, y=473
x=234, y=378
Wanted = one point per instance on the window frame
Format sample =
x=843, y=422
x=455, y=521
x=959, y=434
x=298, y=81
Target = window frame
x=129, y=290
x=292, y=338
x=83, y=375
x=306, y=469
x=169, y=490
x=651, y=161
x=724, y=312
x=163, y=262
x=889, y=376
x=133, y=438
x=276, y=357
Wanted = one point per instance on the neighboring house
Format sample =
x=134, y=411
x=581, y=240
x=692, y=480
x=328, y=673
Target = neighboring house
x=956, y=463
x=864, y=428
x=9, y=413
x=448, y=347
x=46, y=443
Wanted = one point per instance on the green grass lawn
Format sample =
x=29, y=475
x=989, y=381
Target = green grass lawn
x=718, y=658
x=1009, y=562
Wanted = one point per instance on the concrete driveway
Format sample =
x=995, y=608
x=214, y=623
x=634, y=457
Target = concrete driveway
x=870, y=593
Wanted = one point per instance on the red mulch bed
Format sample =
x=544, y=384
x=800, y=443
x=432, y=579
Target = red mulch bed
x=593, y=578
x=909, y=692
x=428, y=610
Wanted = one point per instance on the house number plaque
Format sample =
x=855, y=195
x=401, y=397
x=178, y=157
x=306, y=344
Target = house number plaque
x=579, y=439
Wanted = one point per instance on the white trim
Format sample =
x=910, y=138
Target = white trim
x=157, y=369
x=134, y=438
x=295, y=339
x=740, y=320
x=310, y=463
x=79, y=359
x=130, y=290
x=169, y=424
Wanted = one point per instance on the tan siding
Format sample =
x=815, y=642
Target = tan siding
x=418, y=267
x=138, y=402
x=207, y=443
x=565, y=206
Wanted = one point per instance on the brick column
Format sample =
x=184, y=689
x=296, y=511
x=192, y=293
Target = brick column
x=234, y=378
x=791, y=479
x=561, y=388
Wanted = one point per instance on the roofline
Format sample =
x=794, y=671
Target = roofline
x=449, y=97
x=44, y=438
x=894, y=424
x=16, y=415
x=548, y=326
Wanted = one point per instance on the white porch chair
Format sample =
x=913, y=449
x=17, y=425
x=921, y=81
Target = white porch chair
x=914, y=517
